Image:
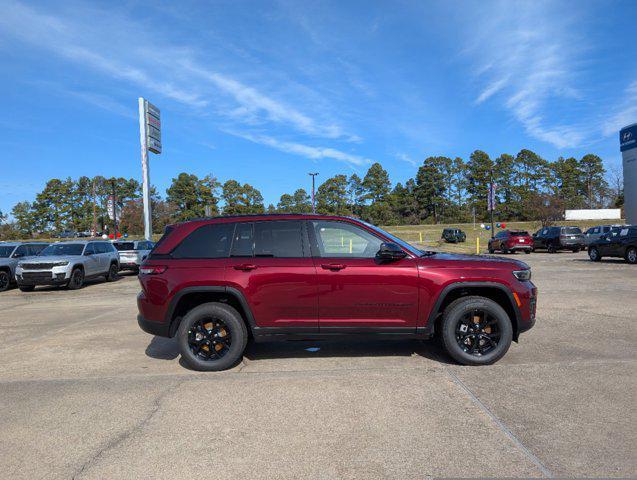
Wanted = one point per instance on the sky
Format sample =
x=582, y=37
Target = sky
x=266, y=92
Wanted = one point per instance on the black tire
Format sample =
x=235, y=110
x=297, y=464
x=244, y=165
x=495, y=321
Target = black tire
x=631, y=255
x=453, y=318
x=575, y=250
x=77, y=279
x=5, y=280
x=551, y=248
x=491, y=251
x=527, y=251
x=113, y=273
x=593, y=254
x=27, y=288
x=232, y=325
x=505, y=251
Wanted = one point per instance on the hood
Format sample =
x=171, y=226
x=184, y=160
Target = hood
x=480, y=260
x=50, y=259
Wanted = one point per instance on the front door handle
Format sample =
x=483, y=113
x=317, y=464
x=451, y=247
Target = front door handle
x=332, y=266
x=246, y=267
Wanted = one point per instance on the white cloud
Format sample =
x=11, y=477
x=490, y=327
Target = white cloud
x=313, y=153
x=128, y=51
x=403, y=157
x=528, y=54
x=624, y=114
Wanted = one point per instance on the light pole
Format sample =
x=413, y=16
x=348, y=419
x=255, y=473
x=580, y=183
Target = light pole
x=313, y=203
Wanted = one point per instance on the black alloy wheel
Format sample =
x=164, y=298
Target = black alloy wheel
x=5, y=280
x=477, y=332
x=631, y=255
x=111, y=276
x=209, y=339
x=593, y=254
x=77, y=279
x=212, y=337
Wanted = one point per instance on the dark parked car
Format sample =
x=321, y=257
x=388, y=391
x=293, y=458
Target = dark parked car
x=453, y=235
x=510, y=241
x=215, y=282
x=559, y=238
x=619, y=242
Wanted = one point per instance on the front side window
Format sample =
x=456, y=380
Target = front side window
x=90, y=249
x=344, y=240
x=36, y=249
x=279, y=239
x=21, y=251
x=208, y=241
x=63, y=249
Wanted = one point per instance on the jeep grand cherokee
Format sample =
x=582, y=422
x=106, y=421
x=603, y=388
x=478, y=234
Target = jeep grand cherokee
x=215, y=282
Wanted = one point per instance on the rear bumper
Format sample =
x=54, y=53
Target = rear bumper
x=154, y=328
x=520, y=247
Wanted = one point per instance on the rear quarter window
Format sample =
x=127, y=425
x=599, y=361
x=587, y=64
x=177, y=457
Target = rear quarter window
x=208, y=241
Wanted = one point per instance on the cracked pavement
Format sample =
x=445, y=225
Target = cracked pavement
x=85, y=394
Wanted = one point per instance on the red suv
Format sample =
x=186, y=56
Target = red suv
x=510, y=241
x=215, y=283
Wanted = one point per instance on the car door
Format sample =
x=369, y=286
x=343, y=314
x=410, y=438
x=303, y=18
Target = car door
x=271, y=264
x=357, y=290
x=91, y=260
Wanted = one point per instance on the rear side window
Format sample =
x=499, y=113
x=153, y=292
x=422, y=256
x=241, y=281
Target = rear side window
x=208, y=241
x=243, y=241
x=102, y=247
x=279, y=239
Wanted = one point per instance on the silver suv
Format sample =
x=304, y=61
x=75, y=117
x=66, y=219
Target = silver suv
x=68, y=263
x=132, y=253
x=10, y=254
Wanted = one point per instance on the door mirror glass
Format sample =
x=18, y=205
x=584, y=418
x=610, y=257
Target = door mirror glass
x=390, y=251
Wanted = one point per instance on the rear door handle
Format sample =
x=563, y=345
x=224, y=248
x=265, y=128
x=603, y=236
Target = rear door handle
x=245, y=267
x=332, y=266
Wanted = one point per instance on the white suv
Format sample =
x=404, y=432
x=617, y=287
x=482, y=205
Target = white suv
x=68, y=263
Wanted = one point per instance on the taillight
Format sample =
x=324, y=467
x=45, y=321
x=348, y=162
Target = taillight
x=152, y=269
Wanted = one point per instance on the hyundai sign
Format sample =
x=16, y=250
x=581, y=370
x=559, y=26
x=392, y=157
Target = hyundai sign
x=628, y=147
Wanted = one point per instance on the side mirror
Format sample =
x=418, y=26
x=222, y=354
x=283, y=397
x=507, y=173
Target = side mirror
x=390, y=251
x=86, y=254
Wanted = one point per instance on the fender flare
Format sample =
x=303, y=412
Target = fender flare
x=459, y=285
x=208, y=289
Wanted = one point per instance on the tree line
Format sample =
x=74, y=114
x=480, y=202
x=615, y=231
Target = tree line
x=443, y=190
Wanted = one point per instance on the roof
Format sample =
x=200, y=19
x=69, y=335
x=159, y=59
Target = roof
x=253, y=216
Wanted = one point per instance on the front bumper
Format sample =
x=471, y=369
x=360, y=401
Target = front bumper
x=56, y=276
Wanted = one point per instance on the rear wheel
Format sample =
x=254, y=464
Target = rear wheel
x=111, y=276
x=631, y=255
x=527, y=251
x=476, y=331
x=575, y=250
x=212, y=337
x=77, y=279
x=491, y=250
x=5, y=280
x=593, y=254
x=551, y=248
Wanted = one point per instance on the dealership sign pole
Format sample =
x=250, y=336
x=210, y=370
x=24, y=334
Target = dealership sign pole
x=150, y=138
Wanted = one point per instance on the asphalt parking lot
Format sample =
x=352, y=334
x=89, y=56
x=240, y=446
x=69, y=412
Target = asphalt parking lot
x=85, y=394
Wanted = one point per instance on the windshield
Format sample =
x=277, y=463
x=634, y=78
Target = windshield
x=572, y=231
x=413, y=250
x=62, y=249
x=5, y=251
x=121, y=246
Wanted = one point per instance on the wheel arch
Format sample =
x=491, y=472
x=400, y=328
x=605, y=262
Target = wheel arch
x=497, y=292
x=189, y=297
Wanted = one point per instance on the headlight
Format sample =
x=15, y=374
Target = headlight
x=522, y=275
x=60, y=264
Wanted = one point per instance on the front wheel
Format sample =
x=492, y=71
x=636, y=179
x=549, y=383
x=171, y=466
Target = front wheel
x=5, y=280
x=77, y=279
x=631, y=255
x=527, y=251
x=212, y=337
x=27, y=288
x=593, y=254
x=476, y=331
